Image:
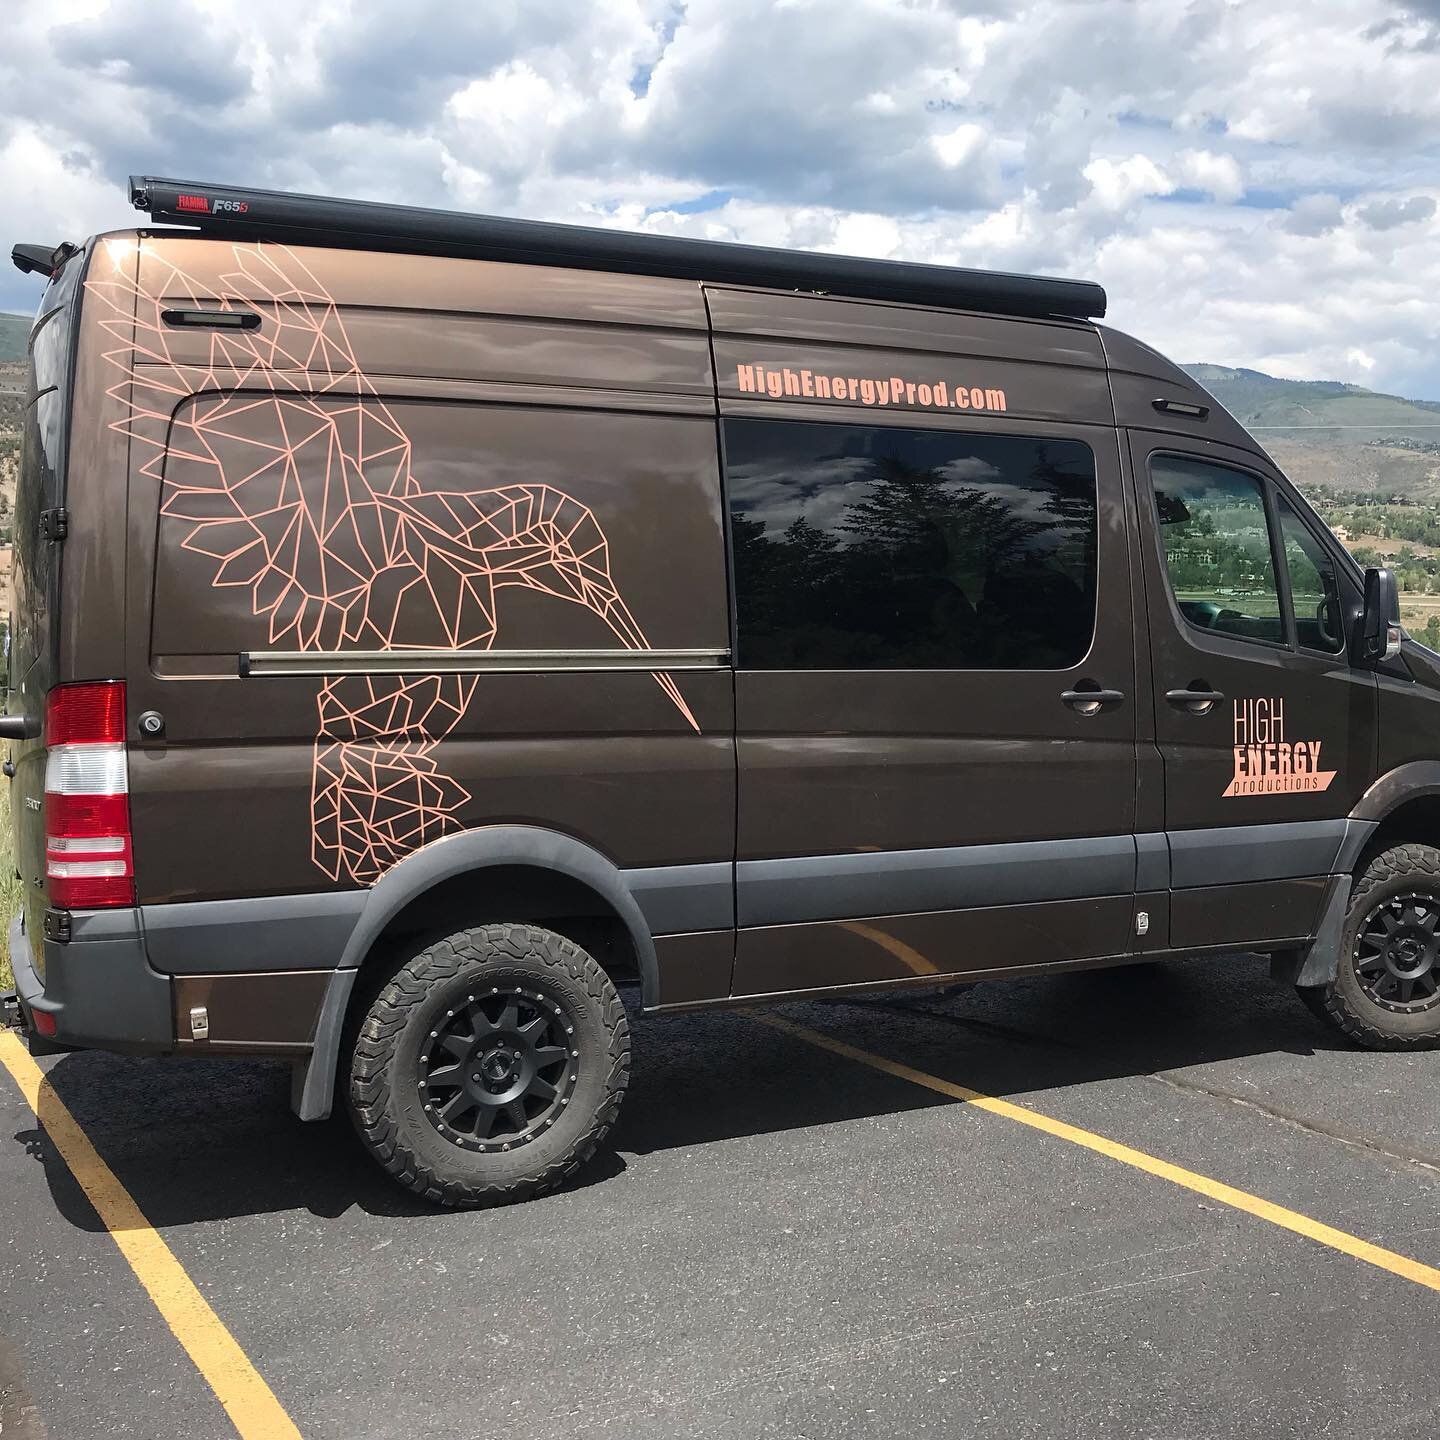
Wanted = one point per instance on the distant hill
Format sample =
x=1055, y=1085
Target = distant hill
x=1330, y=437
x=14, y=331
x=1257, y=400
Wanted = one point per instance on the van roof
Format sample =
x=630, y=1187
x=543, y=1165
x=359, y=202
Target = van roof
x=313, y=219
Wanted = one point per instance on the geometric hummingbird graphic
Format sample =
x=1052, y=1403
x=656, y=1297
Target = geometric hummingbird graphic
x=301, y=491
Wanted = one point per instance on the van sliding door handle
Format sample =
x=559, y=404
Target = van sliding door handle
x=1196, y=701
x=1091, y=702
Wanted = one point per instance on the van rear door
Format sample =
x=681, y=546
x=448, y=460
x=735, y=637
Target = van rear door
x=39, y=502
x=40, y=490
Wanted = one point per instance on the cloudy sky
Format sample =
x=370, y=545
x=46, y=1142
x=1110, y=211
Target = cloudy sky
x=1254, y=181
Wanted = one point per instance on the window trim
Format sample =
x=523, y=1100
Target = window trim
x=1279, y=564
x=1344, y=651
x=1020, y=430
x=1321, y=533
x=1282, y=585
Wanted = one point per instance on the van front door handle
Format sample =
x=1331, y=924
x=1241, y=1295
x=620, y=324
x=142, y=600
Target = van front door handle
x=1091, y=702
x=1197, y=701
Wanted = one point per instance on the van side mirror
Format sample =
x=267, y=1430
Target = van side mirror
x=1378, y=634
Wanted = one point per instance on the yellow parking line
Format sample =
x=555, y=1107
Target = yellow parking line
x=247, y=1399
x=1347, y=1244
x=907, y=955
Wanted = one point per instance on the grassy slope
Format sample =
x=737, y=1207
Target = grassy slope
x=1341, y=438
x=1263, y=400
x=14, y=331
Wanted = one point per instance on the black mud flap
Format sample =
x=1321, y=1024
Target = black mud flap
x=1316, y=964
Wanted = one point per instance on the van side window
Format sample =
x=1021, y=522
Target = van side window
x=861, y=548
x=1314, y=589
x=1217, y=548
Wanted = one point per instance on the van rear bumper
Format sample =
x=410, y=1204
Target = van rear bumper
x=98, y=986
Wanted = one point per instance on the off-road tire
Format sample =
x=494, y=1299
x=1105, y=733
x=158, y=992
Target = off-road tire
x=1400, y=870
x=385, y=1095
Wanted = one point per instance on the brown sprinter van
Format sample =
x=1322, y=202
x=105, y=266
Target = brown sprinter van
x=425, y=622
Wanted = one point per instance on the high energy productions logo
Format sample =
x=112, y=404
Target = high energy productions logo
x=1266, y=763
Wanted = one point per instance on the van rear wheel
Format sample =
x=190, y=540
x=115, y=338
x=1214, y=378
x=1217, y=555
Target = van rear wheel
x=1386, y=991
x=490, y=1066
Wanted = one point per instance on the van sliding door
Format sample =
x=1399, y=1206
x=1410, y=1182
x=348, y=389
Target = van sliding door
x=935, y=672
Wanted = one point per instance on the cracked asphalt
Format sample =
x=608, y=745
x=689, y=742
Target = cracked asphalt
x=780, y=1241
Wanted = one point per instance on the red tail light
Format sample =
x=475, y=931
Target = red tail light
x=86, y=714
x=88, y=859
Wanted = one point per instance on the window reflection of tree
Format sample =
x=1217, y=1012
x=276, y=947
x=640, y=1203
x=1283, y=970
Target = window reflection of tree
x=928, y=571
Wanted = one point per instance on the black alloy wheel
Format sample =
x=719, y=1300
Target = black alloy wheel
x=1396, y=949
x=1385, y=992
x=499, y=1068
x=490, y=1065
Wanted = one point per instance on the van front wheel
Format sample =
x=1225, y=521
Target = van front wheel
x=490, y=1066
x=1386, y=991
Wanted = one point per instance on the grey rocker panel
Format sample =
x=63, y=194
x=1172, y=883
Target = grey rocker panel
x=1286, y=850
x=269, y=932
x=899, y=882
x=1152, y=861
x=681, y=899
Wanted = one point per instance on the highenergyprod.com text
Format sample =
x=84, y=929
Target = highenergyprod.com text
x=777, y=384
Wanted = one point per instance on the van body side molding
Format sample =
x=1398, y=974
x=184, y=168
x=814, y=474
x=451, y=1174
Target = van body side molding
x=263, y=932
x=683, y=899
x=465, y=662
x=902, y=882
x=1283, y=850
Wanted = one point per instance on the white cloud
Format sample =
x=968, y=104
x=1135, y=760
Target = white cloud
x=65, y=191
x=1218, y=175
x=1245, y=197
x=960, y=145
x=874, y=235
x=1118, y=184
x=1386, y=214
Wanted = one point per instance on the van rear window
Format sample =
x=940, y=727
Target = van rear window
x=863, y=548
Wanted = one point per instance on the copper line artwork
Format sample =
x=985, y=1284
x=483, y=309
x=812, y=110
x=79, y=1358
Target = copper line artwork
x=296, y=482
